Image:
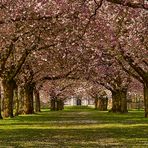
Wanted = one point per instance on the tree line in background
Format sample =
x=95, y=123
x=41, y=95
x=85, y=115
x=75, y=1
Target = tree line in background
x=101, y=42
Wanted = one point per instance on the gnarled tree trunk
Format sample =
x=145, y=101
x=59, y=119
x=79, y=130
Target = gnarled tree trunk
x=8, y=89
x=28, y=99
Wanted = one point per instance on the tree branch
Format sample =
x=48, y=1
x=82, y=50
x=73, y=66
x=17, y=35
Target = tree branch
x=130, y=72
x=139, y=4
x=135, y=67
x=56, y=77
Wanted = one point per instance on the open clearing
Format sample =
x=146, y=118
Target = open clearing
x=75, y=128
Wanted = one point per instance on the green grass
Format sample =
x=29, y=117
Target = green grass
x=75, y=127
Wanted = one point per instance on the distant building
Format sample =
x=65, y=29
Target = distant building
x=79, y=101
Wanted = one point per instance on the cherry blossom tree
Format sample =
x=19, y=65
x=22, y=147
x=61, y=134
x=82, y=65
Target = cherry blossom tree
x=68, y=39
x=123, y=33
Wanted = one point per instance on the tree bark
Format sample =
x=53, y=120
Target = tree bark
x=21, y=100
x=96, y=102
x=16, y=101
x=146, y=99
x=56, y=104
x=8, y=88
x=60, y=104
x=116, y=104
x=37, y=100
x=0, y=102
x=53, y=104
x=103, y=102
x=123, y=96
x=28, y=99
x=119, y=101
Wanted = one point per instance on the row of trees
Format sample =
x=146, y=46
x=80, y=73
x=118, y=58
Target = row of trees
x=102, y=41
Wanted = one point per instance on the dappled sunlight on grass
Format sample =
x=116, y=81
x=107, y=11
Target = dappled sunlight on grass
x=75, y=127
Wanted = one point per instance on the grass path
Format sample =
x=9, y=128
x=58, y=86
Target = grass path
x=75, y=128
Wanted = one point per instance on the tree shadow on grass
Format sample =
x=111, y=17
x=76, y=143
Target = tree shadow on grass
x=93, y=137
x=76, y=118
x=69, y=129
x=100, y=117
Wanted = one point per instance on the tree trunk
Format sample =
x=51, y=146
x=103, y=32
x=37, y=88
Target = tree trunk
x=96, y=102
x=116, y=102
x=21, y=100
x=56, y=104
x=16, y=101
x=53, y=104
x=146, y=99
x=119, y=101
x=123, y=97
x=28, y=99
x=8, y=88
x=0, y=102
x=37, y=100
x=103, y=102
x=60, y=104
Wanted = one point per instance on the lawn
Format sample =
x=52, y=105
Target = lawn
x=75, y=128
